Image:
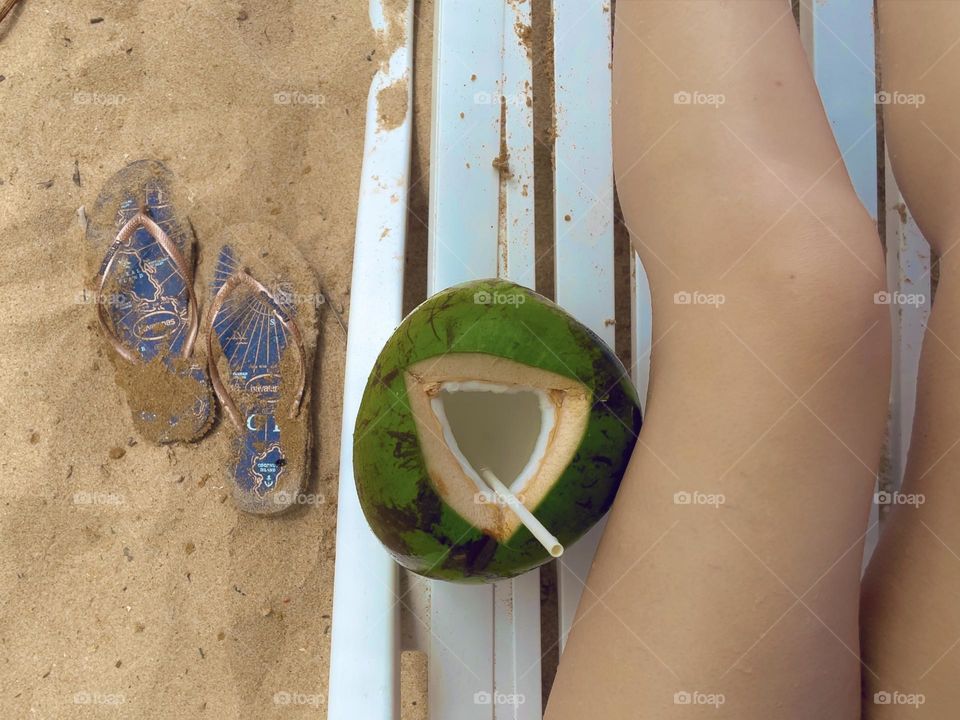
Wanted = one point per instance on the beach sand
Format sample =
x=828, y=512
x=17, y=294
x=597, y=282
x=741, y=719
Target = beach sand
x=129, y=585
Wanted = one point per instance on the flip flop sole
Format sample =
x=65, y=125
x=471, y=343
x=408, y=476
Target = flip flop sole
x=145, y=300
x=260, y=365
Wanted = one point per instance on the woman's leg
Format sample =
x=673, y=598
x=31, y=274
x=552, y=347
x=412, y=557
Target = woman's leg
x=729, y=571
x=911, y=593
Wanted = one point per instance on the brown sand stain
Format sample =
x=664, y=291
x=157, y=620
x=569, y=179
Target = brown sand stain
x=394, y=36
x=525, y=35
x=392, y=105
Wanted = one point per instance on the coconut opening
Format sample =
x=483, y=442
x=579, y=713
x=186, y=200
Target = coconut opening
x=505, y=429
x=479, y=415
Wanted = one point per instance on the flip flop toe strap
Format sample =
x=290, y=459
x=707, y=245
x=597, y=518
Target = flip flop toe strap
x=242, y=277
x=141, y=219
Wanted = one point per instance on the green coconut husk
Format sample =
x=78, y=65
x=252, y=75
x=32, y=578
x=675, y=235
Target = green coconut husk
x=401, y=502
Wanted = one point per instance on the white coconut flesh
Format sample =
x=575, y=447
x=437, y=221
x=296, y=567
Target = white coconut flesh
x=475, y=411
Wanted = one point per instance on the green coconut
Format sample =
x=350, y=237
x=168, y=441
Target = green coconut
x=489, y=376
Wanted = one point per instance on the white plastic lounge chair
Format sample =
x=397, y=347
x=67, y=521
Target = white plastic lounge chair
x=483, y=643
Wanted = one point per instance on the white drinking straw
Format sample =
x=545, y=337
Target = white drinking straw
x=544, y=536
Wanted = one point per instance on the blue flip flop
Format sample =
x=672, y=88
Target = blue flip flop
x=261, y=331
x=146, y=308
